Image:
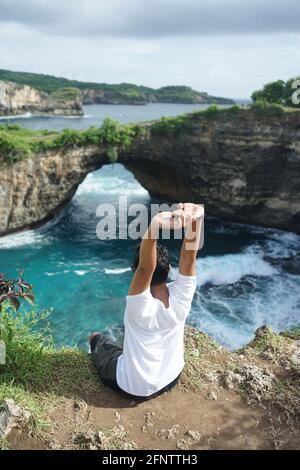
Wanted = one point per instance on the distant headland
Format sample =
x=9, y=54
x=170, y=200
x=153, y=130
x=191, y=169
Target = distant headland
x=46, y=94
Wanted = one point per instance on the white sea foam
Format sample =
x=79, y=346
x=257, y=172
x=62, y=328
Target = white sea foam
x=66, y=271
x=231, y=314
x=17, y=116
x=17, y=240
x=229, y=269
x=97, y=183
x=116, y=270
x=80, y=272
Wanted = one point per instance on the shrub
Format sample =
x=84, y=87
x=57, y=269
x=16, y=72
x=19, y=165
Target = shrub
x=12, y=147
x=24, y=343
x=67, y=138
x=178, y=125
x=278, y=92
x=263, y=107
x=212, y=110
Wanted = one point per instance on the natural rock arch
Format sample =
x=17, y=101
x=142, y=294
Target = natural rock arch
x=243, y=166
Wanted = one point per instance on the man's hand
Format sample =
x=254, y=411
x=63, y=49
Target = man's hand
x=170, y=220
x=182, y=217
x=193, y=221
x=191, y=212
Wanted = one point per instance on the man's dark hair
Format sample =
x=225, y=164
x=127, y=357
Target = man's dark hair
x=162, y=269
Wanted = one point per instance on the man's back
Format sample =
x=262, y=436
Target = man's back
x=153, y=352
x=153, y=344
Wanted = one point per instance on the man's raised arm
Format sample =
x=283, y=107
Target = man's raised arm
x=194, y=216
x=147, y=256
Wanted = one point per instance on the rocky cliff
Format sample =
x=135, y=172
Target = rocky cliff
x=104, y=93
x=18, y=99
x=243, y=165
x=132, y=94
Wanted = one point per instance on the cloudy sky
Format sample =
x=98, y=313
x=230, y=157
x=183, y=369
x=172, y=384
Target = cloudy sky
x=225, y=47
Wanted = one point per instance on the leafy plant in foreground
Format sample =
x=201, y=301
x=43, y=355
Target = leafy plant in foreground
x=13, y=290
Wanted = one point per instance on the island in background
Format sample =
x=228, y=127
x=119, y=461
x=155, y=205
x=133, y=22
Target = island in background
x=22, y=92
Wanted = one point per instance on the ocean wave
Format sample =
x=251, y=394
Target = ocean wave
x=80, y=272
x=29, y=237
x=66, y=271
x=231, y=268
x=17, y=116
x=116, y=270
x=111, y=185
x=231, y=313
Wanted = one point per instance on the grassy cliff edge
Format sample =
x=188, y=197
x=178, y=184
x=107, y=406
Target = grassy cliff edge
x=69, y=406
x=17, y=142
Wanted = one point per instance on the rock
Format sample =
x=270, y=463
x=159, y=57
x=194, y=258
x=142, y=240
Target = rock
x=194, y=352
x=100, y=96
x=243, y=166
x=195, y=435
x=117, y=416
x=295, y=358
x=148, y=416
x=267, y=355
x=91, y=440
x=183, y=444
x=18, y=99
x=110, y=96
x=257, y=382
x=212, y=395
x=12, y=416
x=170, y=433
x=193, y=438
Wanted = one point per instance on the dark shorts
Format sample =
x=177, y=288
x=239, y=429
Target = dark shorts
x=105, y=355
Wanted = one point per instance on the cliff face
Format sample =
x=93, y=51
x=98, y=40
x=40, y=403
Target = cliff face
x=34, y=189
x=243, y=166
x=99, y=96
x=18, y=99
x=135, y=95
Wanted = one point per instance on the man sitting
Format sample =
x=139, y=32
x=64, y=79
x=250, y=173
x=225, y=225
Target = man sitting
x=152, y=357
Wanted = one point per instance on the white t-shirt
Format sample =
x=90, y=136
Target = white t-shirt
x=153, y=343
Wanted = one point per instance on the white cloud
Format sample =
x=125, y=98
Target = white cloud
x=225, y=64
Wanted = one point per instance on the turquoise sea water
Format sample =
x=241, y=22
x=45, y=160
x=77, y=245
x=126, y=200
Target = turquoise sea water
x=246, y=275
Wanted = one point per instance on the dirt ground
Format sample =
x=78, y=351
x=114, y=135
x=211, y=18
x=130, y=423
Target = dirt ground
x=224, y=400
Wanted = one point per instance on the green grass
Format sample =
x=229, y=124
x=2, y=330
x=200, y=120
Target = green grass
x=36, y=374
x=292, y=333
x=183, y=123
x=177, y=125
x=17, y=143
x=267, y=340
x=198, y=346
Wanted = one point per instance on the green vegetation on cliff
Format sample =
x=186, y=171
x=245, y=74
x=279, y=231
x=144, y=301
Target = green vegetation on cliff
x=123, y=92
x=35, y=373
x=46, y=381
x=17, y=142
x=279, y=92
x=65, y=94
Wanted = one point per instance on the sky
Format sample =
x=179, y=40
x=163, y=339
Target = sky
x=224, y=47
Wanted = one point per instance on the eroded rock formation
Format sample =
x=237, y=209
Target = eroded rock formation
x=244, y=166
x=18, y=99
